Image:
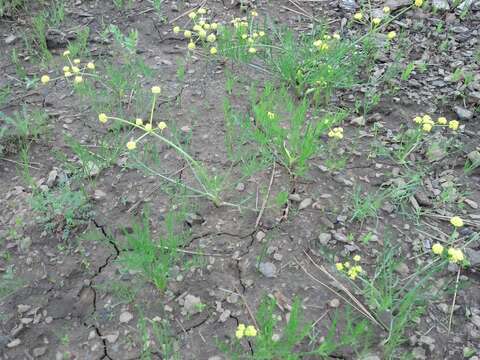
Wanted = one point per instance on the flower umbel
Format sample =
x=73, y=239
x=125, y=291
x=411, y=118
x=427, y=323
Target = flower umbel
x=456, y=221
x=437, y=249
x=45, y=79
x=103, y=118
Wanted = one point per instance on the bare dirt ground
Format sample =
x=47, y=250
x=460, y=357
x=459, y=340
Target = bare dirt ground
x=65, y=293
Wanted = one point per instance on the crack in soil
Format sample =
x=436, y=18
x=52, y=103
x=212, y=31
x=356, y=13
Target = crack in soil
x=107, y=262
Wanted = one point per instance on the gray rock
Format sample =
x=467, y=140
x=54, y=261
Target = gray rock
x=305, y=203
x=52, y=177
x=397, y=4
x=349, y=5
x=324, y=238
x=240, y=187
x=10, y=39
x=462, y=113
x=267, y=269
x=473, y=256
x=39, y=351
x=441, y=5
x=125, y=317
x=192, y=304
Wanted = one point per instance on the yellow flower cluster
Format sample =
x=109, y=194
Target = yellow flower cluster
x=456, y=221
x=138, y=122
x=202, y=31
x=247, y=36
x=336, y=133
x=248, y=331
x=323, y=43
x=72, y=70
x=454, y=255
x=418, y=3
x=352, y=271
x=428, y=124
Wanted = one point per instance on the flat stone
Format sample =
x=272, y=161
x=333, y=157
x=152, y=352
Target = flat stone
x=125, y=317
x=305, y=203
x=462, y=113
x=267, y=269
x=441, y=5
x=39, y=351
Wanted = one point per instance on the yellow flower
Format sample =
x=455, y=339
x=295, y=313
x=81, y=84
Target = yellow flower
x=417, y=120
x=76, y=61
x=427, y=127
x=252, y=50
x=437, y=249
x=386, y=9
x=187, y=34
x=75, y=69
x=45, y=79
x=453, y=124
x=244, y=36
x=240, y=332
x=211, y=38
x=206, y=26
x=103, y=118
x=138, y=122
x=336, y=36
x=66, y=53
x=202, y=34
x=376, y=21
x=91, y=66
x=162, y=126
x=148, y=127
x=176, y=29
x=213, y=50
x=347, y=264
x=78, y=80
x=455, y=255
x=66, y=69
x=426, y=119
x=391, y=35
x=357, y=258
x=358, y=16
x=131, y=145
x=202, y=11
x=214, y=26
x=191, y=45
x=253, y=13
x=68, y=74
x=250, y=331
x=261, y=33
x=255, y=35
x=418, y=3
x=271, y=115
x=339, y=266
x=192, y=15
x=442, y=120
x=456, y=221
x=156, y=90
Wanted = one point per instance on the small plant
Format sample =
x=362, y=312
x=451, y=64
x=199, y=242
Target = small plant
x=282, y=130
x=365, y=206
x=21, y=128
x=61, y=209
x=152, y=258
x=268, y=341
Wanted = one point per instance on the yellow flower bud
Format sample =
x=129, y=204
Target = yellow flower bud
x=156, y=90
x=45, y=79
x=131, y=145
x=103, y=118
